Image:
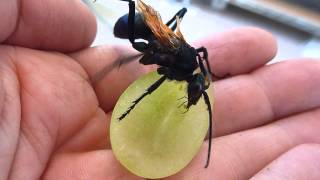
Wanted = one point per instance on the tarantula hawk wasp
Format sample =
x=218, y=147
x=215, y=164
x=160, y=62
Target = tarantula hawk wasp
x=165, y=46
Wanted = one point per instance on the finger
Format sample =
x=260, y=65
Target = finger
x=52, y=25
x=240, y=50
x=243, y=154
x=270, y=93
x=301, y=163
x=88, y=165
x=227, y=56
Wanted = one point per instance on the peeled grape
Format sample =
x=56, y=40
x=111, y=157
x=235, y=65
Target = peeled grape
x=157, y=138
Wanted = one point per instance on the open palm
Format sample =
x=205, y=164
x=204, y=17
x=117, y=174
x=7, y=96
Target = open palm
x=54, y=122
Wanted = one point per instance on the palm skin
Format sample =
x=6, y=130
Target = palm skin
x=54, y=122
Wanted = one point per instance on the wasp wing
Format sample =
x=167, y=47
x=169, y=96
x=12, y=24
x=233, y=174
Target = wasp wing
x=161, y=31
x=178, y=31
x=116, y=64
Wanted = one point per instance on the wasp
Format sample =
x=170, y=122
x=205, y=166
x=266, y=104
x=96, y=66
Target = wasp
x=164, y=45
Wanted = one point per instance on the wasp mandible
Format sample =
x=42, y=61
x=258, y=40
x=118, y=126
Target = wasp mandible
x=164, y=45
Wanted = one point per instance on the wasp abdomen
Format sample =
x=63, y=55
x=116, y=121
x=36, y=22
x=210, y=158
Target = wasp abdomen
x=141, y=30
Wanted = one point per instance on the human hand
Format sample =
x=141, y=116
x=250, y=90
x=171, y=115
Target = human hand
x=54, y=123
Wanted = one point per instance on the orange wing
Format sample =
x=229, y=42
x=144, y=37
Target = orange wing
x=161, y=31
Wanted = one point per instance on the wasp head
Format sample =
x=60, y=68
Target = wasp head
x=196, y=87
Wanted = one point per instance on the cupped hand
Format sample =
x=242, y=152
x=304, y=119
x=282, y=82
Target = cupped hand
x=54, y=121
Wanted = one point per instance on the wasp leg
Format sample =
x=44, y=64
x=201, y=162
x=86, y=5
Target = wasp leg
x=204, y=71
x=183, y=103
x=201, y=65
x=205, y=57
x=207, y=101
x=153, y=87
x=184, y=97
x=187, y=109
x=139, y=46
x=180, y=15
x=131, y=19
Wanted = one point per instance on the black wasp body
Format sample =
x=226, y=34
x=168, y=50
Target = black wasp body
x=164, y=45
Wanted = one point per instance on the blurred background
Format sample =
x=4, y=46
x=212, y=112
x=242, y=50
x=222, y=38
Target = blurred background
x=295, y=23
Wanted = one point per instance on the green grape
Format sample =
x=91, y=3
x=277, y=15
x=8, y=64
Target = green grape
x=157, y=139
